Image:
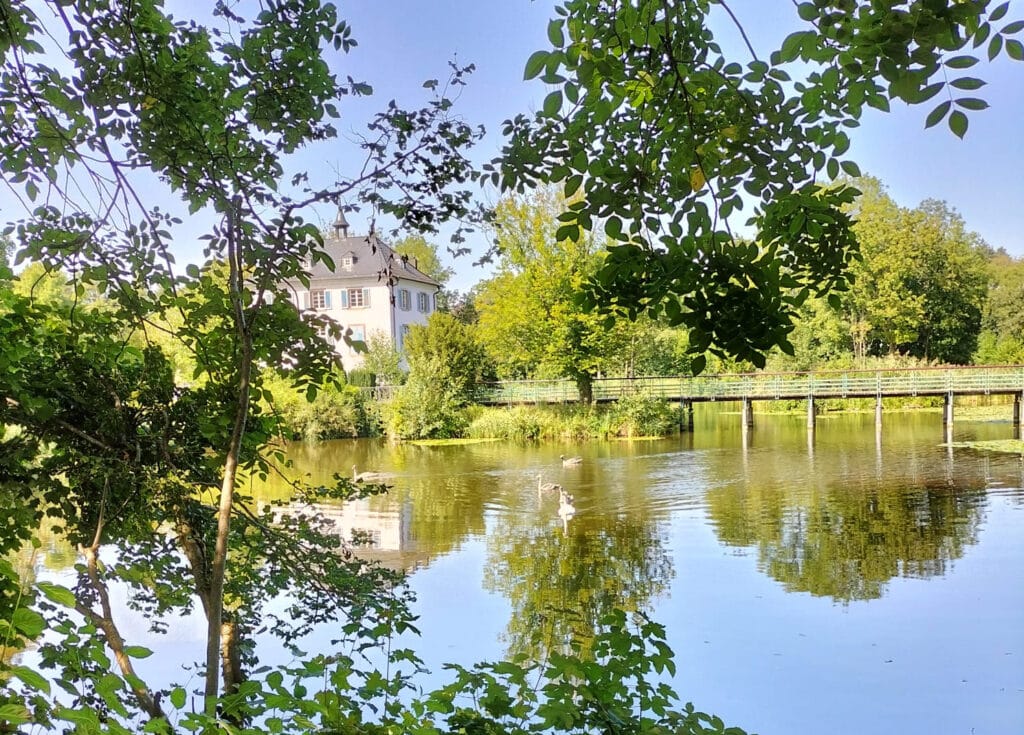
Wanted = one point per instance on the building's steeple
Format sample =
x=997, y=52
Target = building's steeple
x=340, y=224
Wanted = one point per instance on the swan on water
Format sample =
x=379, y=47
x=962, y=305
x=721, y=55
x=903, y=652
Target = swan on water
x=546, y=487
x=368, y=476
x=566, y=504
x=570, y=461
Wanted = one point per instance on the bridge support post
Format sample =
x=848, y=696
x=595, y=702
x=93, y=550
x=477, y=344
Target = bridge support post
x=1018, y=409
x=947, y=417
x=685, y=415
x=811, y=413
x=878, y=411
x=747, y=413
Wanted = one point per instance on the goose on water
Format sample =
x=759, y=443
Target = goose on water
x=546, y=487
x=570, y=461
x=368, y=476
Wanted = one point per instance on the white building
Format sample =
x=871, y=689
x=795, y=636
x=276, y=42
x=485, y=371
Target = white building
x=371, y=290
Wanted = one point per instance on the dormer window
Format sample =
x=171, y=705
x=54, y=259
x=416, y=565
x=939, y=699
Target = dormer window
x=348, y=260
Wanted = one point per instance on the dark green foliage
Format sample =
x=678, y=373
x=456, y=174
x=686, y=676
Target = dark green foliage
x=665, y=143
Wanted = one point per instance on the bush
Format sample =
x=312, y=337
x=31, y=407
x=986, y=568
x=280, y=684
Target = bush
x=641, y=414
x=424, y=409
x=337, y=412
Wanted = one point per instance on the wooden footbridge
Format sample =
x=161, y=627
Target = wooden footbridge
x=947, y=382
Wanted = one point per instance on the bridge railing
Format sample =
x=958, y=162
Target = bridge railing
x=761, y=386
x=915, y=381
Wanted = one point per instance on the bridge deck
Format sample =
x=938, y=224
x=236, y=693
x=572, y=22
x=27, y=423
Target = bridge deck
x=769, y=386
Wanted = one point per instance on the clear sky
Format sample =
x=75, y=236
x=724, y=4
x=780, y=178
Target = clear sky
x=404, y=42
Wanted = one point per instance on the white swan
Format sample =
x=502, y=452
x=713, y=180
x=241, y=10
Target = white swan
x=546, y=487
x=570, y=461
x=368, y=476
x=566, y=504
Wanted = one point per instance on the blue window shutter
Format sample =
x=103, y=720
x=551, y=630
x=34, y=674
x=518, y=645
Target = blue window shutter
x=344, y=299
x=327, y=299
x=366, y=297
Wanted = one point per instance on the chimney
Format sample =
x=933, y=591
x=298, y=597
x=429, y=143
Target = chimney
x=340, y=224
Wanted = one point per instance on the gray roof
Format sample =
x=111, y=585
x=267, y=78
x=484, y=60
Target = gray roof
x=372, y=259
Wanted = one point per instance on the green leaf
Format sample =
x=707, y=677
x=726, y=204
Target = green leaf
x=137, y=651
x=958, y=123
x=791, y=46
x=994, y=47
x=178, y=697
x=962, y=62
x=33, y=679
x=807, y=11
x=613, y=228
x=968, y=83
x=971, y=103
x=851, y=169
x=999, y=12
x=928, y=92
x=936, y=115
x=1011, y=28
x=553, y=103
x=698, y=364
x=535, y=64
x=567, y=232
x=572, y=185
x=28, y=622
x=1015, y=49
x=56, y=593
x=14, y=714
x=555, y=34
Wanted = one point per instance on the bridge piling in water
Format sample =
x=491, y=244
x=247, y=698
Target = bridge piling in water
x=811, y=413
x=747, y=413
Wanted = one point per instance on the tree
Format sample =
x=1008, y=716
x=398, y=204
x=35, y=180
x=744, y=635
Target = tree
x=445, y=363
x=1002, y=337
x=659, y=137
x=382, y=359
x=921, y=284
x=531, y=321
x=210, y=110
x=424, y=256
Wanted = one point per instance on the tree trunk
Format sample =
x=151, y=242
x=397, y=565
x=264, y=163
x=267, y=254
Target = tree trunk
x=585, y=386
x=227, y=489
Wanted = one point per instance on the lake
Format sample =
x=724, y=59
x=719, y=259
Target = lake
x=849, y=582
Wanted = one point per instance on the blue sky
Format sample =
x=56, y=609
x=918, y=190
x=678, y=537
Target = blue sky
x=404, y=42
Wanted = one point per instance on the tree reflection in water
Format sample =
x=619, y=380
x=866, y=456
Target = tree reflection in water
x=561, y=580
x=848, y=542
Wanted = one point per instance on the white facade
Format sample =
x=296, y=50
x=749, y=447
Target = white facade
x=369, y=291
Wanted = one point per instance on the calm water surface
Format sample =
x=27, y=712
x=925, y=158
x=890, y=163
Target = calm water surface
x=853, y=583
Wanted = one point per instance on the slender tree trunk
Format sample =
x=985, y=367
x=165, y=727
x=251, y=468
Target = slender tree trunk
x=219, y=561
